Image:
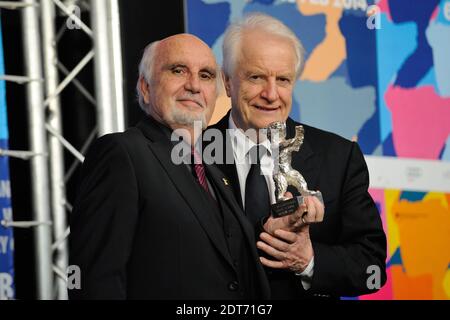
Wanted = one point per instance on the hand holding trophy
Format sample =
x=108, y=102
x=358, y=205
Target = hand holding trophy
x=284, y=175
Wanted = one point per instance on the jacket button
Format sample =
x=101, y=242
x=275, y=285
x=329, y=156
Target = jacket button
x=233, y=286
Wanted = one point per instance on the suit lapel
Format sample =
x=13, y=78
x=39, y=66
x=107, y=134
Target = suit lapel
x=232, y=195
x=229, y=169
x=226, y=191
x=183, y=181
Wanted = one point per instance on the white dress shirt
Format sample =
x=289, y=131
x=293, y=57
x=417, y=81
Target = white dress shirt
x=241, y=146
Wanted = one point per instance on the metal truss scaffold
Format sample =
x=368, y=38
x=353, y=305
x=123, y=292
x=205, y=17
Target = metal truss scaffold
x=47, y=143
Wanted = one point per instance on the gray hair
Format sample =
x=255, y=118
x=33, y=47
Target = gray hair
x=146, y=71
x=260, y=22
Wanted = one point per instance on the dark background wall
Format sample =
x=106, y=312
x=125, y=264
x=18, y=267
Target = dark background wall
x=142, y=22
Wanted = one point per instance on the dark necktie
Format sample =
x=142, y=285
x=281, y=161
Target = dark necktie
x=257, y=201
x=199, y=170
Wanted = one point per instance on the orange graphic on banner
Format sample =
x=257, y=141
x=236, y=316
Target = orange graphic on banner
x=223, y=104
x=331, y=52
x=410, y=288
x=424, y=232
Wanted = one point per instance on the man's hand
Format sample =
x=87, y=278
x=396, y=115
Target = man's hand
x=311, y=211
x=291, y=250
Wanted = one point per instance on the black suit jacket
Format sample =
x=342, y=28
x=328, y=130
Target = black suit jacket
x=351, y=236
x=141, y=228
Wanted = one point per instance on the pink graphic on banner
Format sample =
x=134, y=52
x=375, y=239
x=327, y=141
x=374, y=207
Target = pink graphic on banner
x=420, y=121
x=384, y=8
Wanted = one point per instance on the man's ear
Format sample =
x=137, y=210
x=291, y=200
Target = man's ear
x=226, y=82
x=144, y=90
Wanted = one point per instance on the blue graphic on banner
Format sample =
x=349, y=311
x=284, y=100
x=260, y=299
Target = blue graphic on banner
x=7, y=288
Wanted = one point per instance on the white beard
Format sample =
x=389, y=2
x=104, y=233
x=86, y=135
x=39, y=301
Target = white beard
x=178, y=116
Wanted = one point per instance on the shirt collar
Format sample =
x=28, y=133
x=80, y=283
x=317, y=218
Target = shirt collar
x=241, y=143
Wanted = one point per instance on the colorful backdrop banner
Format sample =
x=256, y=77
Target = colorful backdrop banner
x=7, y=290
x=377, y=72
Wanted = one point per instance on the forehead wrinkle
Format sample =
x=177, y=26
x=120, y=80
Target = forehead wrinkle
x=249, y=54
x=175, y=57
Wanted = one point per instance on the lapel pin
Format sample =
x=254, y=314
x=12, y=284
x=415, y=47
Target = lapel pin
x=225, y=181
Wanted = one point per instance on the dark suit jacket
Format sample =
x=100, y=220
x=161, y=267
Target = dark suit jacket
x=351, y=236
x=141, y=228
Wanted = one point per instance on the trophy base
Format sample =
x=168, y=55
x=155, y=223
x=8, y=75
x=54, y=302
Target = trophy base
x=286, y=207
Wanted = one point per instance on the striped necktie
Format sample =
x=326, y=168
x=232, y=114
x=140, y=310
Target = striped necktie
x=199, y=170
x=257, y=200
